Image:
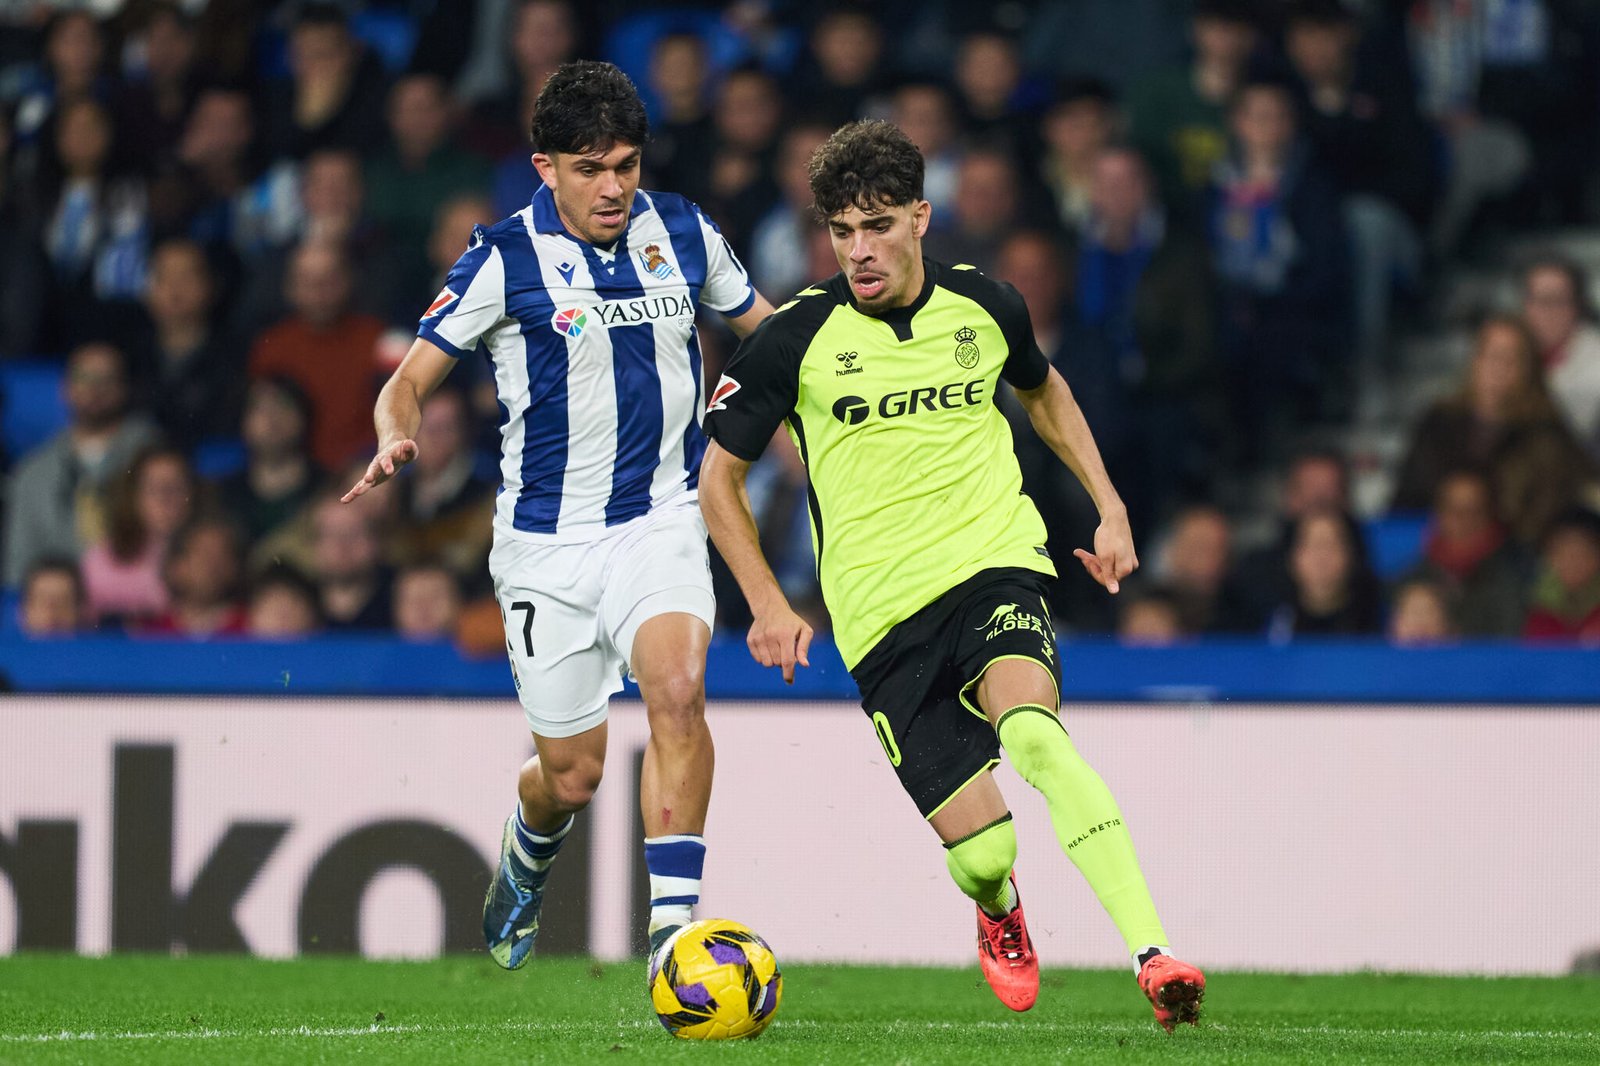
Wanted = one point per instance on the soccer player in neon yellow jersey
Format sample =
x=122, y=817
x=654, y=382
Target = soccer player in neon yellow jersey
x=932, y=560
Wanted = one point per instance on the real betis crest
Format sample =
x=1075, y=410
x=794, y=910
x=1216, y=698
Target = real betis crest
x=966, y=350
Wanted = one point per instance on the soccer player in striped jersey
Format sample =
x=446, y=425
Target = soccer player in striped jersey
x=585, y=302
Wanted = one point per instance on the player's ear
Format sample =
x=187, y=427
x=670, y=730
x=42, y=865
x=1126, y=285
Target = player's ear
x=545, y=164
x=920, y=216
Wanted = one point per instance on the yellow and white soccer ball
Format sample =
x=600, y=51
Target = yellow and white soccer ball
x=715, y=980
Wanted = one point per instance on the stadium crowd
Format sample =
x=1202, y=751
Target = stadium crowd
x=221, y=221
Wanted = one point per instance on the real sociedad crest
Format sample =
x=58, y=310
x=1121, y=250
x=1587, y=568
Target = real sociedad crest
x=656, y=263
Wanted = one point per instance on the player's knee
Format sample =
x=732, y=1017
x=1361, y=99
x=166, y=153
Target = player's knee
x=676, y=705
x=572, y=788
x=981, y=863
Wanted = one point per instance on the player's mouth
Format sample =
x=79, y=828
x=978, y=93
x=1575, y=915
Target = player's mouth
x=610, y=216
x=866, y=285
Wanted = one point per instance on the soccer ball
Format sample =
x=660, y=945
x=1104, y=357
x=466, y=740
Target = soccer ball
x=715, y=980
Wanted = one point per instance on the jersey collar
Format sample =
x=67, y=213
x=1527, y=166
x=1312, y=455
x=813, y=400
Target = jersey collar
x=546, y=219
x=899, y=319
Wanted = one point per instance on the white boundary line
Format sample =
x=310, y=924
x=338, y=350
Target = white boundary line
x=376, y=1029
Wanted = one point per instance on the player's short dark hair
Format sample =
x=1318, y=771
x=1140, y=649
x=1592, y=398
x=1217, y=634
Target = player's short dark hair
x=588, y=107
x=870, y=165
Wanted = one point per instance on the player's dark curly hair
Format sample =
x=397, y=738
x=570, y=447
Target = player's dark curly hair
x=870, y=165
x=588, y=107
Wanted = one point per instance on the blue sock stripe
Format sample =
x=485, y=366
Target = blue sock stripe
x=537, y=845
x=670, y=901
x=679, y=858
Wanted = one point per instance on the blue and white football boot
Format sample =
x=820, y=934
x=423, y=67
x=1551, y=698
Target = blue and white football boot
x=511, y=907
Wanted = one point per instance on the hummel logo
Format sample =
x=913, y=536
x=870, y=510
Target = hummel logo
x=849, y=361
x=566, y=271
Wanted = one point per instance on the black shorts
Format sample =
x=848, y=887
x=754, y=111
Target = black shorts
x=916, y=682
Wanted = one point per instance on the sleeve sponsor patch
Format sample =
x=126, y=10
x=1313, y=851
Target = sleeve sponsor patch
x=719, y=396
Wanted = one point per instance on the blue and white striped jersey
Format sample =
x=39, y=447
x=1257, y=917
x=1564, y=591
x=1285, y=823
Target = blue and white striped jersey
x=595, y=356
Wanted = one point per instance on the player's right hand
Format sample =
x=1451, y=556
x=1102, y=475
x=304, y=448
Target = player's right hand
x=385, y=465
x=780, y=638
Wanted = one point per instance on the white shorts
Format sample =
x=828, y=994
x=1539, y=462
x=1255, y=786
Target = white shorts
x=572, y=610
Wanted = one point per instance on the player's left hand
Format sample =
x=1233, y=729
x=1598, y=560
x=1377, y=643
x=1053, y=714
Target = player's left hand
x=1113, y=558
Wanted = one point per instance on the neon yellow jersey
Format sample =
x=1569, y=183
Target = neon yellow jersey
x=914, y=486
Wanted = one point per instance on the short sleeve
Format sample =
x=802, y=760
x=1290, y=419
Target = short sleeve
x=472, y=301
x=1026, y=367
x=757, y=391
x=727, y=288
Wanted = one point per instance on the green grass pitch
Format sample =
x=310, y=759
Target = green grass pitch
x=221, y=1009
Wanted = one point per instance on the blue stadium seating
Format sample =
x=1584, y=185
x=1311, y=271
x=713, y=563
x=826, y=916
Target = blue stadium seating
x=32, y=409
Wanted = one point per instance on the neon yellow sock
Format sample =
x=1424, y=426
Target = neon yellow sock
x=980, y=864
x=1086, y=819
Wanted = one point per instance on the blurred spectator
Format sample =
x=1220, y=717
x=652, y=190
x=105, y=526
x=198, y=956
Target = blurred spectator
x=1145, y=291
x=283, y=605
x=335, y=94
x=1195, y=564
x=926, y=113
x=427, y=602
x=355, y=588
x=1278, y=242
x=846, y=65
x=1317, y=479
x=747, y=116
x=52, y=601
x=1035, y=263
x=192, y=376
x=1503, y=421
x=682, y=136
x=153, y=106
x=202, y=571
x=1177, y=117
x=988, y=206
x=1422, y=615
x=1077, y=129
x=988, y=76
x=1361, y=116
x=55, y=494
x=451, y=234
x=1468, y=553
x=1333, y=590
x=530, y=42
x=447, y=509
x=279, y=477
x=1150, y=618
x=1503, y=80
x=778, y=248
x=422, y=165
x=222, y=196
x=122, y=573
x=1566, y=597
x=95, y=229
x=327, y=348
x=24, y=275
x=331, y=209
x=74, y=57
x=1561, y=316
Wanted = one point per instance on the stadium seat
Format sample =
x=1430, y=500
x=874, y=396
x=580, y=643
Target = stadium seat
x=32, y=409
x=218, y=457
x=1395, y=542
x=392, y=35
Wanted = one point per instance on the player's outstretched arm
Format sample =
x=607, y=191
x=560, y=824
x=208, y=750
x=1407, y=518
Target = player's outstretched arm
x=399, y=413
x=745, y=324
x=778, y=636
x=1059, y=422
